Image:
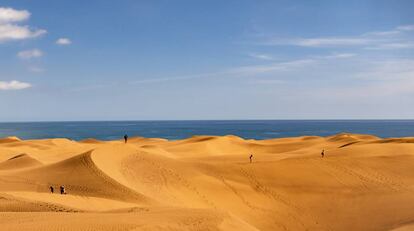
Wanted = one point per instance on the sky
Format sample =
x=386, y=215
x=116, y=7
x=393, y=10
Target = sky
x=70, y=60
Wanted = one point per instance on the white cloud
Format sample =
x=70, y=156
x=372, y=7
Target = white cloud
x=11, y=15
x=13, y=85
x=10, y=31
x=63, y=41
x=28, y=54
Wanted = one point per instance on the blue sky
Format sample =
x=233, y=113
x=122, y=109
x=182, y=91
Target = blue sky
x=150, y=60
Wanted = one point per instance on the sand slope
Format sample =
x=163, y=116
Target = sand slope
x=20, y=161
x=207, y=183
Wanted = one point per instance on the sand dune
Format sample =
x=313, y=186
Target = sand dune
x=19, y=161
x=207, y=183
x=10, y=139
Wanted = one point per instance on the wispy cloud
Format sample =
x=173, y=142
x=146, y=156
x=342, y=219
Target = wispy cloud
x=245, y=71
x=333, y=41
x=386, y=80
x=392, y=46
x=150, y=81
x=240, y=71
x=261, y=56
x=277, y=66
x=178, y=78
x=406, y=27
x=10, y=30
x=338, y=56
x=14, y=85
x=291, y=65
x=387, y=33
x=388, y=70
x=29, y=54
x=391, y=39
x=318, y=42
x=36, y=69
x=63, y=41
x=91, y=87
x=268, y=81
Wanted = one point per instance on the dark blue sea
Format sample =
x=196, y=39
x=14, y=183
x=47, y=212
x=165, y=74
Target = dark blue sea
x=173, y=130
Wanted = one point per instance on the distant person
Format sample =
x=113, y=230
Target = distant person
x=323, y=153
x=126, y=138
x=62, y=189
x=251, y=158
x=52, y=189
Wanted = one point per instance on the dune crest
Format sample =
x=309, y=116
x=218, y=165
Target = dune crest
x=9, y=139
x=19, y=161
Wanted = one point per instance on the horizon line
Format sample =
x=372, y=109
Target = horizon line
x=184, y=120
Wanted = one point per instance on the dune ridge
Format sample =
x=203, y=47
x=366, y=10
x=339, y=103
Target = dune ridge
x=207, y=183
x=20, y=161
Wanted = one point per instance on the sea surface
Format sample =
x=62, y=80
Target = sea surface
x=173, y=130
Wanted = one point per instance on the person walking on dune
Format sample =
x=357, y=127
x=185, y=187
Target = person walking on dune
x=126, y=138
x=52, y=189
x=323, y=153
x=62, y=189
x=251, y=158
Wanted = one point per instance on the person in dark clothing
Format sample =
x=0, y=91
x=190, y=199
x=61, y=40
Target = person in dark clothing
x=62, y=189
x=323, y=153
x=126, y=138
x=251, y=157
x=52, y=189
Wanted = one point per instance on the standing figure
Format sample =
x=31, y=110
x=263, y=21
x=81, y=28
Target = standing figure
x=126, y=138
x=323, y=153
x=52, y=189
x=62, y=189
x=251, y=157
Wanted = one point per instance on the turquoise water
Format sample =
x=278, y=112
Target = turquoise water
x=256, y=129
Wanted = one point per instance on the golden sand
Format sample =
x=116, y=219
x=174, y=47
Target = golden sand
x=207, y=183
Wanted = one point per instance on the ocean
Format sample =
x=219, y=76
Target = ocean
x=173, y=130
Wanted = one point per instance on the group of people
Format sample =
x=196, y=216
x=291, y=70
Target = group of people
x=322, y=154
x=250, y=157
x=62, y=189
